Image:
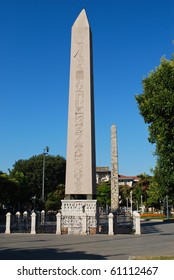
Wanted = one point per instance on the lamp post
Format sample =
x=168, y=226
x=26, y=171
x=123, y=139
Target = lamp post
x=46, y=150
x=141, y=200
x=137, y=205
x=167, y=206
x=34, y=202
x=131, y=201
x=127, y=203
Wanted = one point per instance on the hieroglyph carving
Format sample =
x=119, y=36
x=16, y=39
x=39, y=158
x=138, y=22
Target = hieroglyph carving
x=80, y=167
x=114, y=170
x=79, y=117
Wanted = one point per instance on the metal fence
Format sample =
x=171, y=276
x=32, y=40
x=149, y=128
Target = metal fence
x=2, y=223
x=20, y=223
x=103, y=223
x=123, y=222
x=45, y=222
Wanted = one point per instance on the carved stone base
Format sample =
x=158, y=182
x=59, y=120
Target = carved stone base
x=80, y=216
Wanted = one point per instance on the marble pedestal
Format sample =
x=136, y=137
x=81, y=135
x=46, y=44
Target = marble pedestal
x=77, y=212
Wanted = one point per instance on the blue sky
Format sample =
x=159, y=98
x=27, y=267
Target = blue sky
x=129, y=39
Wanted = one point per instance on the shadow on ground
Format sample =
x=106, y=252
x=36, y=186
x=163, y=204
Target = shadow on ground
x=148, y=227
x=46, y=254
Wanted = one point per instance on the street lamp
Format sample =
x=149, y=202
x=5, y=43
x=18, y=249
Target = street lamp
x=46, y=150
x=34, y=202
x=127, y=203
x=137, y=205
x=141, y=200
x=167, y=206
x=131, y=201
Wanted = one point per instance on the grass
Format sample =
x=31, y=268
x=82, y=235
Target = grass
x=152, y=258
x=164, y=219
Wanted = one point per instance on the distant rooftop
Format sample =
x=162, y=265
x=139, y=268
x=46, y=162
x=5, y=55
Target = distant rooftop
x=102, y=169
x=120, y=176
x=135, y=178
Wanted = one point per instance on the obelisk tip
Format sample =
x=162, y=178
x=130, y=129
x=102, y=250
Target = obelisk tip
x=81, y=20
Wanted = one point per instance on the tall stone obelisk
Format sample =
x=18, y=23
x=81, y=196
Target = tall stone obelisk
x=80, y=168
x=114, y=170
x=79, y=208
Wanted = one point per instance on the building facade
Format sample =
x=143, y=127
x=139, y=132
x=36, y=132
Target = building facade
x=103, y=174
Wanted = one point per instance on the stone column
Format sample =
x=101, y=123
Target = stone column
x=110, y=224
x=8, y=222
x=33, y=223
x=114, y=171
x=58, y=225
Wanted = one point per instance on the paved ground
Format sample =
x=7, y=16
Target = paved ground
x=157, y=238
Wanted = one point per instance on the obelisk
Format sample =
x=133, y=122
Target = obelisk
x=80, y=166
x=114, y=170
x=79, y=208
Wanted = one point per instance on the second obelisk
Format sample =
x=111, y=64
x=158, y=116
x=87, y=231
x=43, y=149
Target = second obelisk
x=80, y=167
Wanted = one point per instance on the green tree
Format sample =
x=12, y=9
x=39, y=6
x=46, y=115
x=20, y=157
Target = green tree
x=29, y=174
x=141, y=187
x=104, y=194
x=23, y=194
x=53, y=201
x=124, y=193
x=155, y=195
x=8, y=191
x=156, y=105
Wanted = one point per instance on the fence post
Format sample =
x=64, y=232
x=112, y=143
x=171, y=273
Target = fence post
x=110, y=224
x=18, y=217
x=84, y=227
x=42, y=217
x=25, y=219
x=25, y=214
x=33, y=223
x=136, y=217
x=84, y=218
x=58, y=224
x=8, y=222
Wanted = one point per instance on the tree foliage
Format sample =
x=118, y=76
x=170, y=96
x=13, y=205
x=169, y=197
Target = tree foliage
x=156, y=105
x=28, y=177
x=155, y=195
x=53, y=201
x=9, y=190
x=124, y=193
x=32, y=170
x=104, y=194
